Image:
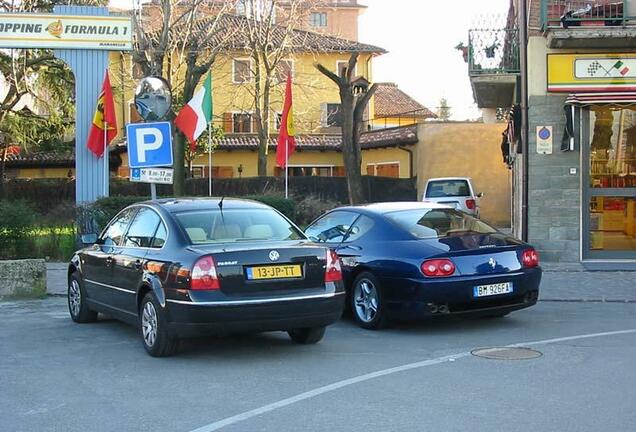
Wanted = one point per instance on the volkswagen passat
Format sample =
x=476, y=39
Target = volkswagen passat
x=185, y=267
x=410, y=260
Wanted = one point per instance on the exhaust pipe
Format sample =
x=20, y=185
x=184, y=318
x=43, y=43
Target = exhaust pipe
x=443, y=309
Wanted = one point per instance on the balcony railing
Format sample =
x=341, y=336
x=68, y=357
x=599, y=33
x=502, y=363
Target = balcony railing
x=493, y=51
x=589, y=13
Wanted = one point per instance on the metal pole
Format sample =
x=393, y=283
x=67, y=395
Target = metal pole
x=286, y=170
x=153, y=191
x=210, y=158
x=523, y=44
x=105, y=156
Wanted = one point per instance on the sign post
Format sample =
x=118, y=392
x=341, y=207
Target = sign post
x=150, y=146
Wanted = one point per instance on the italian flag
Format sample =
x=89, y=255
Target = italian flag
x=196, y=114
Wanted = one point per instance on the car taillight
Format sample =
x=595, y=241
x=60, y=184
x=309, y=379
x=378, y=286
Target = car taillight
x=333, y=271
x=438, y=268
x=470, y=204
x=204, y=275
x=530, y=258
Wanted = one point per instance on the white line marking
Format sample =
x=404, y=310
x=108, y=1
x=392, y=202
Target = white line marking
x=369, y=376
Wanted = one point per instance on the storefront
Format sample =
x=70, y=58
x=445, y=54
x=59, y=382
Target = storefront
x=600, y=125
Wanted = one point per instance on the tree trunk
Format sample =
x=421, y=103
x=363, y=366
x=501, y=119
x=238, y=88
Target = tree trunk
x=350, y=155
x=179, y=164
x=2, y=168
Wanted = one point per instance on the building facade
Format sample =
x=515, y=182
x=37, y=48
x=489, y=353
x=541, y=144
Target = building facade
x=581, y=76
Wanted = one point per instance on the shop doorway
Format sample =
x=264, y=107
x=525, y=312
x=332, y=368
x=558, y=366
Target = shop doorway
x=609, y=182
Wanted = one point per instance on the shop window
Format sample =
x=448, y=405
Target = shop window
x=612, y=147
x=612, y=223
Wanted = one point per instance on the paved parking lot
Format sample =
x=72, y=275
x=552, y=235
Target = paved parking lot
x=59, y=376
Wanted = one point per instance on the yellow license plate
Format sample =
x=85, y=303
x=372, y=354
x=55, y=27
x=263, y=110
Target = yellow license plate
x=274, y=272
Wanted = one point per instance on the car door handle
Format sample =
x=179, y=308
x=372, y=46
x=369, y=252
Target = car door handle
x=352, y=247
x=109, y=260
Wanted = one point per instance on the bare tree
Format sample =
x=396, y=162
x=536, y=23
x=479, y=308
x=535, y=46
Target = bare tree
x=352, y=106
x=270, y=36
x=179, y=40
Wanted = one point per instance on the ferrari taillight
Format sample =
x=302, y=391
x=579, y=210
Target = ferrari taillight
x=438, y=267
x=530, y=258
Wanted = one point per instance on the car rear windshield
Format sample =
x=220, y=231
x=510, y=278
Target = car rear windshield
x=234, y=225
x=447, y=188
x=439, y=223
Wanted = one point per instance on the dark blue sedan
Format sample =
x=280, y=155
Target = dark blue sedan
x=411, y=260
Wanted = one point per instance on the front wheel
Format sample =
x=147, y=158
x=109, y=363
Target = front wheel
x=77, y=305
x=367, y=302
x=306, y=336
x=154, y=332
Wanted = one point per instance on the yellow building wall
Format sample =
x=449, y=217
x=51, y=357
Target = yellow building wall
x=311, y=89
x=385, y=156
x=467, y=150
x=387, y=122
x=54, y=172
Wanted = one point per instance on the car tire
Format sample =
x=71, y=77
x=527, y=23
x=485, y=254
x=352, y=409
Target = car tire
x=495, y=315
x=76, y=299
x=307, y=336
x=153, y=327
x=367, y=302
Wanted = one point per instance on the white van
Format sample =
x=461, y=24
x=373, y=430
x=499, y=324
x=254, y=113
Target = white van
x=455, y=192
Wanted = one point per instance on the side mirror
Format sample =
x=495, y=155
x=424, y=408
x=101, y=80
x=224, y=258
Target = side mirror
x=88, y=239
x=480, y=194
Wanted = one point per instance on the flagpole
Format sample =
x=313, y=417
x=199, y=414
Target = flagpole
x=286, y=170
x=210, y=158
x=105, y=158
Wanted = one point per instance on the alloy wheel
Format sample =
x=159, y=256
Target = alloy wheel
x=366, y=300
x=74, y=298
x=149, y=324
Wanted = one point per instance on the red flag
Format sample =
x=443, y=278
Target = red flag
x=104, y=113
x=287, y=135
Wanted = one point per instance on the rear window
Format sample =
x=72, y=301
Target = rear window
x=234, y=225
x=439, y=223
x=447, y=188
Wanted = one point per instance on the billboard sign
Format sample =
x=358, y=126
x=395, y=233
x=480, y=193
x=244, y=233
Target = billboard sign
x=34, y=30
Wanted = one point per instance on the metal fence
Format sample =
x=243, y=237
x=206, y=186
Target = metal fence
x=493, y=51
x=578, y=13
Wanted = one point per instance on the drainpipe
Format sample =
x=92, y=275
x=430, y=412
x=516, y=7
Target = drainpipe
x=523, y=53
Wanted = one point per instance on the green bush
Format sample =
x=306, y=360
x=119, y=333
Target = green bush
x=17, y=219
x=310, y=207
x=283, y=205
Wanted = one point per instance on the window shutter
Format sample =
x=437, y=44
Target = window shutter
x=338, y=171
x=134, y=115
x=371, y=170
x=254, y=124
x=226, y=172
x=323, y=114
x=227, y=122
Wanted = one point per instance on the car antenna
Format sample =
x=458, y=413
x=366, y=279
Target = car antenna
x=221, y=203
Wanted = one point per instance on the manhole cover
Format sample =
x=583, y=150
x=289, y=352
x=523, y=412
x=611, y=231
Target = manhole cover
x=506, y=353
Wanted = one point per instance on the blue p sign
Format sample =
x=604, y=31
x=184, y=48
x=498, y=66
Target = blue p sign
x=149, y=144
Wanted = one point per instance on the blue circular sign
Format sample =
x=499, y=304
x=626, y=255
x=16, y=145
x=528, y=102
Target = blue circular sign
x=544, y=133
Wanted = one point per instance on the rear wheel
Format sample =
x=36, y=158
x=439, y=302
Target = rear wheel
x=367, y=302
x=154, y=332
x=77, y=305
x=307, y=336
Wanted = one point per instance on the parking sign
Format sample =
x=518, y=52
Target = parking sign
x=149, y=144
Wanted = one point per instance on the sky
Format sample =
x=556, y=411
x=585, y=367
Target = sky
x=420, y=36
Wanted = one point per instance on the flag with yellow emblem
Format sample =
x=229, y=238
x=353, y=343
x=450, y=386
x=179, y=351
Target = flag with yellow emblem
x=104, y=127
x=287, y=135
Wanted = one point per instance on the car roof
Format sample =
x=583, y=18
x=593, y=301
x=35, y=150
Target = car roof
x=388, y=207
x=448, y=178
x=175, y=205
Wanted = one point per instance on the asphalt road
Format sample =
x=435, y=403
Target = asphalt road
x=59, y=376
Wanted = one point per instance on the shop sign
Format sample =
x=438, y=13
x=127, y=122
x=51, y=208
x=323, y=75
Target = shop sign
x=26, y=30
x=544, y=139
x=570, y=73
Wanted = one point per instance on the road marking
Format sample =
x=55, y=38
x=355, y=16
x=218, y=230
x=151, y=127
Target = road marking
x=369, y=376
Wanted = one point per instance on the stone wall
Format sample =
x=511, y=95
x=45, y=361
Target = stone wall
x=553, y=193
x=23, y=278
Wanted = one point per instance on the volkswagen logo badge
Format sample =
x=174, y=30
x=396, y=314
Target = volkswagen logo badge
x=274, y=255
x=491, y=261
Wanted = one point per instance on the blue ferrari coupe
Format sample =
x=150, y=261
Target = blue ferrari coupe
x=409, y=260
